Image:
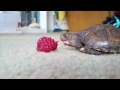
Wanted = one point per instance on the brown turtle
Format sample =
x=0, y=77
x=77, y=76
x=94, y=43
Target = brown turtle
x=98, y=39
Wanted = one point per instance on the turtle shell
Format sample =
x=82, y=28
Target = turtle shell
x=105, y=38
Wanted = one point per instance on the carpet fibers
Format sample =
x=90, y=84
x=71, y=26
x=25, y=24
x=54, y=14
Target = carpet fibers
x=20, y=60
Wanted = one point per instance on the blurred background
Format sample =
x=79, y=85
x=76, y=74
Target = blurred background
x=54, y=21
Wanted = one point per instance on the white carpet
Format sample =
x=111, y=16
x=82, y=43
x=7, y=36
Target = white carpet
x=20, y=60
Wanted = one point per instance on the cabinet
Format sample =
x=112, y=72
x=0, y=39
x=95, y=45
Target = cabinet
x=80, y=20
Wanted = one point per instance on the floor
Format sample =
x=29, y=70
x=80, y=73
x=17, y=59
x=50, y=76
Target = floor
x=20, y=60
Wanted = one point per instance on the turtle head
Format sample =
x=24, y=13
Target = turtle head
x=70, y=39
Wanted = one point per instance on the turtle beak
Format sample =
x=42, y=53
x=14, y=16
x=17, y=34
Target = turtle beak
x=66, y=43
x=62, y=38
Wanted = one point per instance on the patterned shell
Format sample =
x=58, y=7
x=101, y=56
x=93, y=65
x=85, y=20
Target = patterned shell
x=102, y=37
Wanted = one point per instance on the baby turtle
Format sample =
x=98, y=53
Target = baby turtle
x=98, y=39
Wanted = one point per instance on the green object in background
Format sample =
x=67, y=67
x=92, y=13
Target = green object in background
x=53, y=12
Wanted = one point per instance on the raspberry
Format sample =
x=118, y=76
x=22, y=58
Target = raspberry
x=46, y=44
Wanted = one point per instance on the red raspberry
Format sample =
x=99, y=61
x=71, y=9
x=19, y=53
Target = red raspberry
x=46, y=44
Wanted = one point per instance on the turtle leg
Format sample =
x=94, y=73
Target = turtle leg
x=77, y=48
x=81, y=49
x=92, y=51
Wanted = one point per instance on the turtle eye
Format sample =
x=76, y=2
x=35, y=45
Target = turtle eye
x=67, y=35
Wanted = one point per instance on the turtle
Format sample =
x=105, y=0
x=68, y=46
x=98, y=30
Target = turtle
x=96, y=40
